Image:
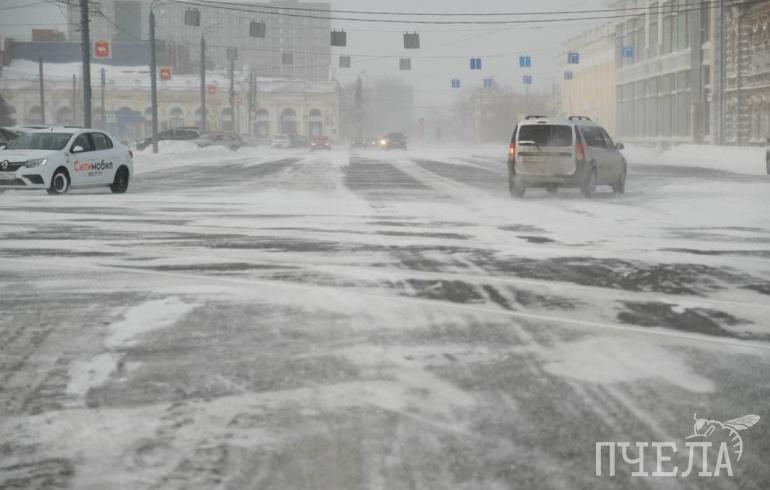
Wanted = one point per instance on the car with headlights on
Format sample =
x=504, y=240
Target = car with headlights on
x=392, y=141
x=321, y=143
x=60, y=159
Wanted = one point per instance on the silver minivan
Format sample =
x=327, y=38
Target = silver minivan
x=572, y=152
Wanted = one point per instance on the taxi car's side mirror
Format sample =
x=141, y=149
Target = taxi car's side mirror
x=77, y=149
x=620, y=146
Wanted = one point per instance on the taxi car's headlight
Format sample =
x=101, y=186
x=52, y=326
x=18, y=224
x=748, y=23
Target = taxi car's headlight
x=383, y=142
x=35, y=163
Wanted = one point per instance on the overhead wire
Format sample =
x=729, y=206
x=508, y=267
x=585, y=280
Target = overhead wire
x=259, y=9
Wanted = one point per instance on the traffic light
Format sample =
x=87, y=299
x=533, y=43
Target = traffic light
x=411, y=40
x=339, y=38
x=257, y=29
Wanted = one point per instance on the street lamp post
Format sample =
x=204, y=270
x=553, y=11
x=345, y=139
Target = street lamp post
x=203, y=84
x=153, y=80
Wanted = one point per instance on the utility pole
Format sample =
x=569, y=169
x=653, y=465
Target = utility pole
x=203, y=84
x=153, y=83
x=104, y=114
x=85, y=40
x=42, y=91
x=359, y=107
x=74, y=98
x=251, y=104
x=232, y=93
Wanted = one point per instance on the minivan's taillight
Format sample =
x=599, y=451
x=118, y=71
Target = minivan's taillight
x=580, y=152
x=512, y=151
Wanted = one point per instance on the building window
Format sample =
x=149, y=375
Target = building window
x=653, y=34
x=668, y=27
x=705, y=22
x=682, y=25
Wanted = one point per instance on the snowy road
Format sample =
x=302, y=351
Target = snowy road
x=285, y=320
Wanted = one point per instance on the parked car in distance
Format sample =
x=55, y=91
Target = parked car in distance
x=392, y=141
x=281, y=141
x=571, y=152
x=321, y=143
x=228, y=140
x=177, y=134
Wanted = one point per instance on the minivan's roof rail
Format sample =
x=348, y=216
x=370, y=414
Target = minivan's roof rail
x=579, y=118
x=535, y=117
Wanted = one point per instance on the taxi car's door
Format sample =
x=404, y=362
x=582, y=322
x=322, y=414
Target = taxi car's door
x=104, y=158
x=82, y=159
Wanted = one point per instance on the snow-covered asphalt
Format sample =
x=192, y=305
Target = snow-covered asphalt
x=377, y=320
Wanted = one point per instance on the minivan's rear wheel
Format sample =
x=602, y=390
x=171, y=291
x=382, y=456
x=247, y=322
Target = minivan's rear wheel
x=120, y=184
x=619, y=187
x=60, y=182
x=516, y=190
x=589, y=186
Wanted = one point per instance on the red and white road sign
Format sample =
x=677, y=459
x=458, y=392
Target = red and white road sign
x=165, y=73
x=212, y=89
x=102, y=50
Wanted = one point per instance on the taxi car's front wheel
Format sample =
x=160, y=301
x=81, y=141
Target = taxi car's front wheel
x=60, y=182
x=120, y=184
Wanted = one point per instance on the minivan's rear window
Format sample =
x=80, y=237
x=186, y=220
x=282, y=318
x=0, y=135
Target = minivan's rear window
x=546, y=135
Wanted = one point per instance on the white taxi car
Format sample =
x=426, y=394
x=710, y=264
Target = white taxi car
x=60, y=159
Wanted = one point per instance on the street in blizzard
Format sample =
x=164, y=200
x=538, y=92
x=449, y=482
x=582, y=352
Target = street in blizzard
x=534, y=252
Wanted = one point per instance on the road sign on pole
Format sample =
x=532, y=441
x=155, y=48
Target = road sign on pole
x=102, y=50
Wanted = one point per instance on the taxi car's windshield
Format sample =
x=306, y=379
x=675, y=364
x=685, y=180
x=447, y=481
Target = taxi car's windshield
x=40, y=141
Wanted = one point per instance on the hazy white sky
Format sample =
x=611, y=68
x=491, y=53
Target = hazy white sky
x=445, y=52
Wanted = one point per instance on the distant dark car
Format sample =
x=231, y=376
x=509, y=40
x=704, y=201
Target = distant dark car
x=7, y=135
x=178, y=134
x=364, y=142
x=228, y=140
x=298, y=141
x=320, y=143
x=393, y=141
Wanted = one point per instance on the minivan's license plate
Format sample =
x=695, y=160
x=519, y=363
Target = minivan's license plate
x=535, y=159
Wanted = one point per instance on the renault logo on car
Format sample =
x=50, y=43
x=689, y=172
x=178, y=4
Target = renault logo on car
x=4, y=165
